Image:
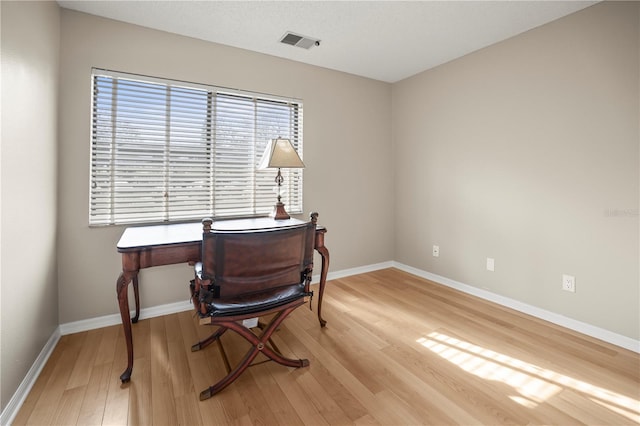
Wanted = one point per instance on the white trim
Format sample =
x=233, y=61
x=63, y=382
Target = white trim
x=354, y=271
x=561, y=320
x=108, y=320
x=11, y=410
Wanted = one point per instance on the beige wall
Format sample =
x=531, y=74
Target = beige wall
x=347, y=143
x=527, y=152
x=30, y=59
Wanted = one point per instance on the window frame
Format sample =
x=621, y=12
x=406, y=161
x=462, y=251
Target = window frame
x=129, y=183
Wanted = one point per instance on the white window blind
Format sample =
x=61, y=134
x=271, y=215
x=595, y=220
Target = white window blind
x=165, y=151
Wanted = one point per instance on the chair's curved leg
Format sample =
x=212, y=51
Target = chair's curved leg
x=258, y=344
x=233, y=375
x=289, y=362
x=261, y=341
x=206, y=342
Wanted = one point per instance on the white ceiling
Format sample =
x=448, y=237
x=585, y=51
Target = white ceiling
x=383, y=40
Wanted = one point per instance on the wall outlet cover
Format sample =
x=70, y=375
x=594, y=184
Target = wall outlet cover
x=569, y=283
x=491, y=264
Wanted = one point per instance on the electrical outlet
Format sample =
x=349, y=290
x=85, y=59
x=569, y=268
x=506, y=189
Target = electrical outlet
x=436, y=251
x=491, y=264
x=569, y=283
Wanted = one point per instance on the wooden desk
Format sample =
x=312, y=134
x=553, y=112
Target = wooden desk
x=146, y=246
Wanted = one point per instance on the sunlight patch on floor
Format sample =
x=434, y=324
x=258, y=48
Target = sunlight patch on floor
x=523, y=401
x=534, y=384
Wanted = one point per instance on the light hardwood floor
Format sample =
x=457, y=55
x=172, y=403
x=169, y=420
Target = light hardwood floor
x=397, y=350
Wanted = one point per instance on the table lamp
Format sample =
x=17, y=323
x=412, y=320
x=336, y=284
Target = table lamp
x=280, y=154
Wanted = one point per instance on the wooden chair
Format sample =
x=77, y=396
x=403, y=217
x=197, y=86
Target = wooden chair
x=249, y=274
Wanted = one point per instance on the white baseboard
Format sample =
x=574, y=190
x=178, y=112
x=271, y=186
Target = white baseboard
x=354, y=271
x=11, y=410
x=561, y=320
x=113, y=319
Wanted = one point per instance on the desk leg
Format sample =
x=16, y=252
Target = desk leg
x=324, y=253
x=136, y=295
x=122, y=285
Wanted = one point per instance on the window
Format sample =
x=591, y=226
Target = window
x=165, y=151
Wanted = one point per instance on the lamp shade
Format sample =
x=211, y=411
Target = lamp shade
x=280, y=153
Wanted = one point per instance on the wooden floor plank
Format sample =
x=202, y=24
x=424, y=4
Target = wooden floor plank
x=322, y=400
x=161, y=386
x=397, y=349
x=181, y=381
x=257, y=403
x=289, y=385
x=279, y=404
x=106, y=349
x=188, y=410
x=82, y=368
x=68, y=407
x=39, y=386
x=46, y=407
x=140, y=408
x=116, y=408
x=94, y=401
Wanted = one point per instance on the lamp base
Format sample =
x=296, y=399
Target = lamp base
x=279, y=213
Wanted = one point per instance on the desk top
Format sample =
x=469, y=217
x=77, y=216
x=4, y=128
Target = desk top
x=180, y=233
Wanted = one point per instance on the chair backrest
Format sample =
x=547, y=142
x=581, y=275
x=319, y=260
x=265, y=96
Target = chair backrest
x=245, y=262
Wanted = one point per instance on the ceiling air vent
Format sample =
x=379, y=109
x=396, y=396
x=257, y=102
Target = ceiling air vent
x=299, y=40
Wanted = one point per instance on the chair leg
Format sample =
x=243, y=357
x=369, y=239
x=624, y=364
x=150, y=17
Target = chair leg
x=259, y=345
x=262, y=326
x=231, y=377
x=206, y=342
x=260, y=342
